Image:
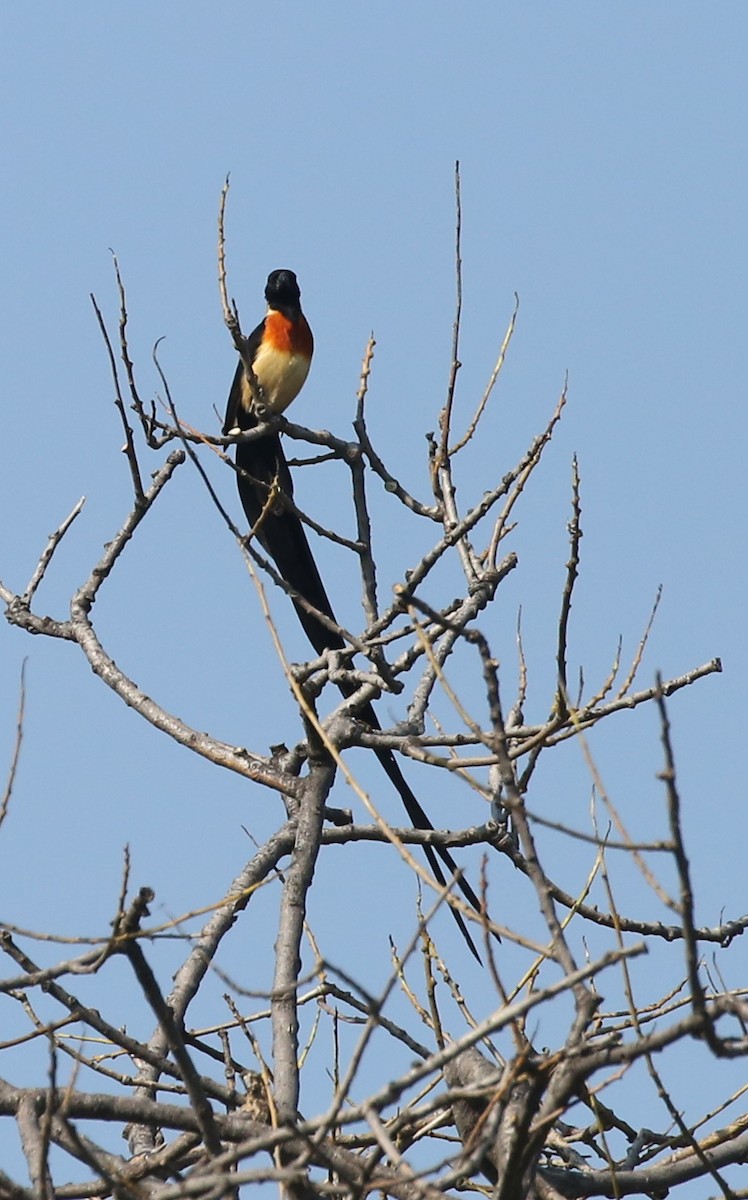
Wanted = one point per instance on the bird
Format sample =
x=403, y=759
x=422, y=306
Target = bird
x=280, y=352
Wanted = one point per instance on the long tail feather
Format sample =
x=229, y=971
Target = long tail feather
x=260, y=464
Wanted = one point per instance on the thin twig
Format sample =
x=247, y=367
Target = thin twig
x=636, y=663
x=129, y=447
x=4, y=803
x=45, y=557
x=445, y=417
x=472, y=427
x=572, y=571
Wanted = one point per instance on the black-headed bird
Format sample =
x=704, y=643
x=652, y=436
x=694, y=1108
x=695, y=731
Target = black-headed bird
x=280, y=353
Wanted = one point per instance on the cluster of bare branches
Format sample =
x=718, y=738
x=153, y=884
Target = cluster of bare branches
x=206, y=1110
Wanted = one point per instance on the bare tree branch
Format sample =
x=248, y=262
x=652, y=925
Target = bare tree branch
x=430, y=1098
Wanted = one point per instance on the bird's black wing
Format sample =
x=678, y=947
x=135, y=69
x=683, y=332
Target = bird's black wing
x=237, y=416
x=261, y=469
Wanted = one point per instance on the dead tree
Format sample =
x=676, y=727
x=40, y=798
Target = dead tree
x=408, y=1108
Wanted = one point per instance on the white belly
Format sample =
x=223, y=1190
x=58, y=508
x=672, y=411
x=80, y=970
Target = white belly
x=281, y=376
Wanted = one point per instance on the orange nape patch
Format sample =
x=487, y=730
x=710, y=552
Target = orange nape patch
x=292, y=337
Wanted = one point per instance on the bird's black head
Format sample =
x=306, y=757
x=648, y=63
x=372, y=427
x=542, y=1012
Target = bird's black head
x=282, y=290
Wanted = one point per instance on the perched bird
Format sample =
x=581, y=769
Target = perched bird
x=280, y=352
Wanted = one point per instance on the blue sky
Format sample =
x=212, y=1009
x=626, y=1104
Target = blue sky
x=603, y=152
